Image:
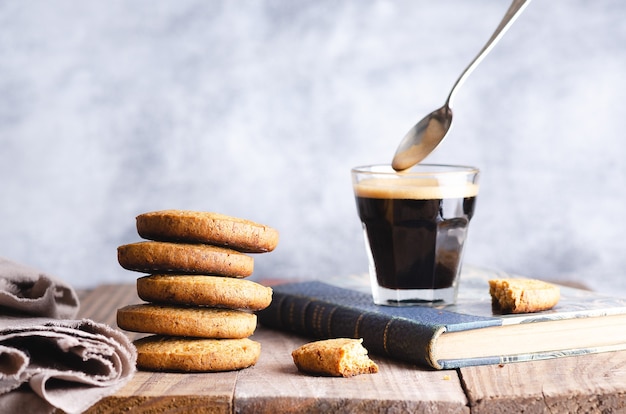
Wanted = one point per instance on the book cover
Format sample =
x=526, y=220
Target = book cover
x=467, y=333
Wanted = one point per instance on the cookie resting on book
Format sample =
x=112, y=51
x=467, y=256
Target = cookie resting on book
x=523, y=295
x=339, y=357
x=209, y=228
x=163, y=353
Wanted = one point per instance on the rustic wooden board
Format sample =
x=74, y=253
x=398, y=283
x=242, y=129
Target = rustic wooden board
x=274, y=385
x=583, y=384
x=591, y=383
x=172, y=393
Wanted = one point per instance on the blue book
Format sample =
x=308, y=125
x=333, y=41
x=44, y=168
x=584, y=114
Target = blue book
x=468, y=333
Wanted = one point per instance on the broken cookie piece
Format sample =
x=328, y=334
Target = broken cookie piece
x=523, y=295
x=340, y=357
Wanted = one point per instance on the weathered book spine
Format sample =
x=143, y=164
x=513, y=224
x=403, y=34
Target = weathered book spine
x=398, y=338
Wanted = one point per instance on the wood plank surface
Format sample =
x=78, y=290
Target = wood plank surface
x=582, y=384
x=591, y=383
x=274, y=385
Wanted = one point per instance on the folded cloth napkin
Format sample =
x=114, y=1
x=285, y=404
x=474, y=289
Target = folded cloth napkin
x=29, y=292
x=46, y=362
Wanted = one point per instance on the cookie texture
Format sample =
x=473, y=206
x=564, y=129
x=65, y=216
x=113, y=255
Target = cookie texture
x=186, y=321
x=207, y=227
x=339, y=357
x=214, y=291
x=164, y=257
x=523, y=295
x=161, y=353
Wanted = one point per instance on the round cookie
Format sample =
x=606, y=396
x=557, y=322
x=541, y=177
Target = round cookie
x=205, y=227
x=181, y=321
x=156, y=257
x=197, y=290
x=159, y=353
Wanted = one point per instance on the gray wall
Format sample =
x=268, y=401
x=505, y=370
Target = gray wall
x=260, y=108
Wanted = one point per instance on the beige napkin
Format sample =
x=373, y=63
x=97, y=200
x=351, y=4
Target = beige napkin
x=47, y=359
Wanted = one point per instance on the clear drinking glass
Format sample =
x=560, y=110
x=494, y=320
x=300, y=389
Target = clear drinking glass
x=415, y=223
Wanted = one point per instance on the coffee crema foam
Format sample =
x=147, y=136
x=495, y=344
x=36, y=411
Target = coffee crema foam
x=414, y=189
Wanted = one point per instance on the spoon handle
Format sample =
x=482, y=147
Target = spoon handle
x=512, y=13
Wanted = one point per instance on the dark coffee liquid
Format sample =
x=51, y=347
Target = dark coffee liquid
x=416, y=244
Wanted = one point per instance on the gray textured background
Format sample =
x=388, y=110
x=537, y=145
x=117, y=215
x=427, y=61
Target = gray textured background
x=260, y=108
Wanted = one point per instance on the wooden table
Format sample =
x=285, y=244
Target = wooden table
x=591, y=383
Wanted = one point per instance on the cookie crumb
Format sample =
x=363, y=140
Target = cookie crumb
x=339, y=357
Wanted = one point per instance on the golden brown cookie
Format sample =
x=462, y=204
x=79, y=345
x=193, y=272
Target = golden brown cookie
x=161, y=353
x=523, y=295
x=340, y=357
x=163, y=257
x=183, y=321
x=206, y=227
x=212, y=291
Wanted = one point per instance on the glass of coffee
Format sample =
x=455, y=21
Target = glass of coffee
x=415, y=224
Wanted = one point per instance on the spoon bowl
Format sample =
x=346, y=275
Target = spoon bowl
x=428, y=133
x=423, y=138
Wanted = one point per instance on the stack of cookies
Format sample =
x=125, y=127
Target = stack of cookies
x=199, y=307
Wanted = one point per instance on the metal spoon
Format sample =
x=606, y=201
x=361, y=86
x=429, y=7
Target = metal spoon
x=422, y=139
